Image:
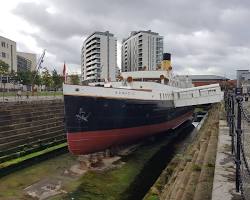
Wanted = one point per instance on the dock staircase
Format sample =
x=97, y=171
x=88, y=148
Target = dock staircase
x=27, y=127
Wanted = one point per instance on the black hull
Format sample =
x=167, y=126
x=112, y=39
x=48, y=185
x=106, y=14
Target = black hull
x=92, y=114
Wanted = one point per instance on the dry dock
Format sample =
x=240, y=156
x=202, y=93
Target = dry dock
x=203, y=169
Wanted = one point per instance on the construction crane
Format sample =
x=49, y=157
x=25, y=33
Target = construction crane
x=38, y=67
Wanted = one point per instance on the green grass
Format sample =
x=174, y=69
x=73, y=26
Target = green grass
x=153, y=197
x=11, y=186
x=32, y=155
x=111, y=184
x=196, y=167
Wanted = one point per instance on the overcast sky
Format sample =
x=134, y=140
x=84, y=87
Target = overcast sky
x=204, y=37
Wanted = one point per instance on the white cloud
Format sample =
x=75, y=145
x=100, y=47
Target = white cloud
x=205, y=37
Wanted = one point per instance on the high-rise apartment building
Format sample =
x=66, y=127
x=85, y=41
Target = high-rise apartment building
x=8, y=53
x=26, y=61
x=99, y=57
x=142, y=50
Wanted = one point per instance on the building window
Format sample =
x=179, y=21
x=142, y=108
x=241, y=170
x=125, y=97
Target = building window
x=3, y=55
x=3, y=44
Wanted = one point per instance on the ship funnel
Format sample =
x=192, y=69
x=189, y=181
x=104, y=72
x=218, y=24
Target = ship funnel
x=166, y=62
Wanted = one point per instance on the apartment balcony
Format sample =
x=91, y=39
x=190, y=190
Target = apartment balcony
x=93, y=47
x=92, y=57
x=159, y=39
x=87, y=64
x=96, y=61
x=95, y=66
x=92, y=72
x=93, y=41
x=92, y=76
x=96, y=45
x=95, y=51
x=159, y=47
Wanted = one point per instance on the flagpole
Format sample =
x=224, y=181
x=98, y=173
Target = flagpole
x=64, y=73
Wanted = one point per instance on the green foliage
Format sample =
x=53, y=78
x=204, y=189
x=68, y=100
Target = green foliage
x=24, y=77
x=36, y=78
x=4, y=67
x=47, y=78
x=196, y=167
x=75, y=79
x=116, y=183
x=32, y=155
x=152, y=197
x=57, y=79
x=210, y=165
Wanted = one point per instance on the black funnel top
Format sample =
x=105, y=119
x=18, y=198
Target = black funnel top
x=166, y=56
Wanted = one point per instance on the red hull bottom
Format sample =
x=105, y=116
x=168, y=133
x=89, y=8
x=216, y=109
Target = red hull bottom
x=80, y=143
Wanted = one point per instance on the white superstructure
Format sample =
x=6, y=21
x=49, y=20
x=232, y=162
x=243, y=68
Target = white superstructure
x=143, y=50
x=99, y=57
x=153, y=85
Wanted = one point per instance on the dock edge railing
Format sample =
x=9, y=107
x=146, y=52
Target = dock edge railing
x=236, y=116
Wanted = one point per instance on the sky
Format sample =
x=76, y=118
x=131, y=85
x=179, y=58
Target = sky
x=204, y=37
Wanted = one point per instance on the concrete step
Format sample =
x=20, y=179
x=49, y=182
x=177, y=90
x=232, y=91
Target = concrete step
x=32, y=138
x=31, y=118
x=43, y=120
x=21, y=105
x=14, y=134
x=8, y=135
x=4, y=112
x=27, y=114
x=34, y=144
x=21, y=118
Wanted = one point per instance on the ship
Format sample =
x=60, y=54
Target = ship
x=140, y=104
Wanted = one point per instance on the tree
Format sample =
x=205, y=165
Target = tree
x=4, y=67
x=75, y=79
x=25, y=77
x=47, y=78
x=57, y=80
x=36, y=78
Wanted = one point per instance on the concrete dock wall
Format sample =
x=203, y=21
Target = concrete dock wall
x=29, y=125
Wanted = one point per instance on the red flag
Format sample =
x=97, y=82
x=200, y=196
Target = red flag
x=64, y=73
